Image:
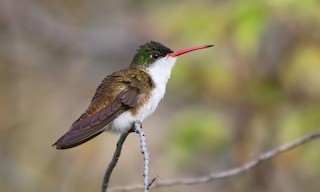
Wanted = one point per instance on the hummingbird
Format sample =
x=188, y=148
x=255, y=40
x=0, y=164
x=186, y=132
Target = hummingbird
x=126, y=96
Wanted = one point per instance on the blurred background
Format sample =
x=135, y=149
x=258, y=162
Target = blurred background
x=259, y=87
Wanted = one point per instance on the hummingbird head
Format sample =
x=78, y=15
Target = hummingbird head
x=158, y=60
x=152, y=51
x=148, y=54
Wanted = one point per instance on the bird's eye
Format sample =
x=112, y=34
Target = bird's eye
x=154, y=56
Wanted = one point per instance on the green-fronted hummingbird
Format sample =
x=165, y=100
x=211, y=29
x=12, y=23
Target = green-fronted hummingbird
x=126, y=96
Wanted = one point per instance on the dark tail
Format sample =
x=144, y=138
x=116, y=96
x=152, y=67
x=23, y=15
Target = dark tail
x=62, y=143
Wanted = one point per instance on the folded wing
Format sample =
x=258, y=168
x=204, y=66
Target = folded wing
x=116, y=94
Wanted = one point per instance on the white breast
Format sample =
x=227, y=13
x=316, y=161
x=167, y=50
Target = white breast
x=160, y=73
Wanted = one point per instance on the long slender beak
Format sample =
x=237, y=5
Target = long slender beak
x=183, y=51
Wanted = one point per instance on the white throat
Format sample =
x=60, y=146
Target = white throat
x=160, y=71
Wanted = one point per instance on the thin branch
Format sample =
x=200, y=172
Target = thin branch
x=139, y=131
x=114, y=160
x=227, y=173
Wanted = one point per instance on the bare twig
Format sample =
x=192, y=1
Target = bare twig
x=227, y=173
x=114, y=160
x=139, y=131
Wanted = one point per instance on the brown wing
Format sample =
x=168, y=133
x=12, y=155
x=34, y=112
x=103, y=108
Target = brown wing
x=116, y=94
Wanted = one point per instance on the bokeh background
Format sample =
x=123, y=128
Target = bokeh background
x=259, y=87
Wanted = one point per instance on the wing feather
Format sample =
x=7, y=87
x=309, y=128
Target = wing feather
x=106, y=106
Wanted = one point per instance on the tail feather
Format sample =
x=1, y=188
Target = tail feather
x=62, y=144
